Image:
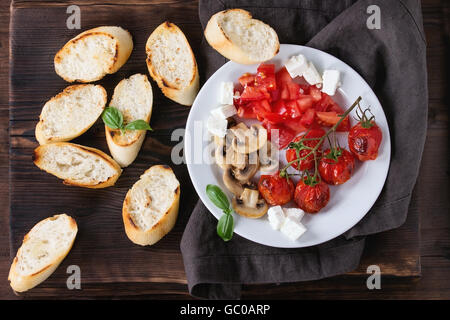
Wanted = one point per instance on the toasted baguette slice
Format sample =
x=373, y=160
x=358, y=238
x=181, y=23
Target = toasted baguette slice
x=150, y=208
x=42, y=250
x=70, y=113
x=238, y=37
x=93, y=53
x=171, y=63
x=77, y=165
x=134, y=98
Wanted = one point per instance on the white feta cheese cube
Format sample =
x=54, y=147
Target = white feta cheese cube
x=296, y=65
x=292, y=229
x=227, y=93
x=331, y=80
x=217, y=126
x=225, y=111
x=276, y=217
x=295, y=213
x=311, y=75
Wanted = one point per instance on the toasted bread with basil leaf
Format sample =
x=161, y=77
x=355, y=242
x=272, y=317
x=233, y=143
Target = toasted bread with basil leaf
x=127, y=122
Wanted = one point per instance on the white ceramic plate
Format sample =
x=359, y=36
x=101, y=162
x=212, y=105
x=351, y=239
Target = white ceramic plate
x=348, y=202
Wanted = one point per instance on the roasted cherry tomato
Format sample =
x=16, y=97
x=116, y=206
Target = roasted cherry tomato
x=275, y=189
x=364, y=140
x=311, y=197
x=308, y=163
x=336, y=166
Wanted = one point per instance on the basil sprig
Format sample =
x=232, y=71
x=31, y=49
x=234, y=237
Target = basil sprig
x=113, y=118
x=225, y=225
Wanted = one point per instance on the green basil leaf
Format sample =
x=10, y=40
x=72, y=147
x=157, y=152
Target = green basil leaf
x=138, y=125
x=225, y=227
x=113, y=118
x=216, y=195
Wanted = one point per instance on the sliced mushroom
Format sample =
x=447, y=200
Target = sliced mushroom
x=234, y=185
x=249, y=204
x=249, y=170
x=228, y=156
x=268, y=157
x=231, y=182
x=219, y=141
x=250, y=139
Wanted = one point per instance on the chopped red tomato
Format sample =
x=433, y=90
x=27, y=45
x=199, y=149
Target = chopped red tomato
x=276, y=100
x=295, y=124
x=247, y=79
x=252, y=94
x=246, y=113
x=265, y=77
x=294, y=90
x=279, y=133
x=330, y=118
x=308, y=117
x=292, y=109
x=304, y=102
x=315, y=93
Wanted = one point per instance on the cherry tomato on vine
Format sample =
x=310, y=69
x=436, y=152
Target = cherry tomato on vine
x=364, y=139
x=308, y=163
x=276, y=190
x=336, y=166
x=310, y=196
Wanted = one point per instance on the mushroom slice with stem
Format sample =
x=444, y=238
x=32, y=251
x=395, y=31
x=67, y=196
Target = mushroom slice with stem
x=249, y=170
x=226, y=155
x=250, y=204
x=234, y=185
x=269, y=158
x=248, y=140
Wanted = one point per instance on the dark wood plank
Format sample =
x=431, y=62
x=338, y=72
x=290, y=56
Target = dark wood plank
x=431, y=198
x=102, y=250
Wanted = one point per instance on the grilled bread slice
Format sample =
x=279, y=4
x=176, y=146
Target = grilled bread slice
x=238, y=37
x=93, y=53
x=70, y=113
x=134, y=98
x=150, y=208
x=171, y=63
x=77, y=165
x=42, y=250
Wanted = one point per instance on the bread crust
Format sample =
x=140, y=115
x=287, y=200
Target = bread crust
x=39, y=132
x=217, y=39
x=182, y=95
x=124, y=46
x=37, y=159
x=21, y=283
x=124, y=154
x=158, y=230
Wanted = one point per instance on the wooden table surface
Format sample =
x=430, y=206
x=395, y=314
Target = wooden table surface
x=430, y=199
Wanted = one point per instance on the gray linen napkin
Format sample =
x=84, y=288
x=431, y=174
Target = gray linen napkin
x=392, y=60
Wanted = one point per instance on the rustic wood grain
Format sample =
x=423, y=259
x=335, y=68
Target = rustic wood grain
x=392, y=250
x=101, y=249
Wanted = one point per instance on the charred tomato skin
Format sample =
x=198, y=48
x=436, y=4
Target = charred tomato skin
x=308, y=163
x=311, y=198
x=276, y=190
x=364, y=142
x=337, y=171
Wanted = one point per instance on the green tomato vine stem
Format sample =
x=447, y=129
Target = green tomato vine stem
x=283, y=172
